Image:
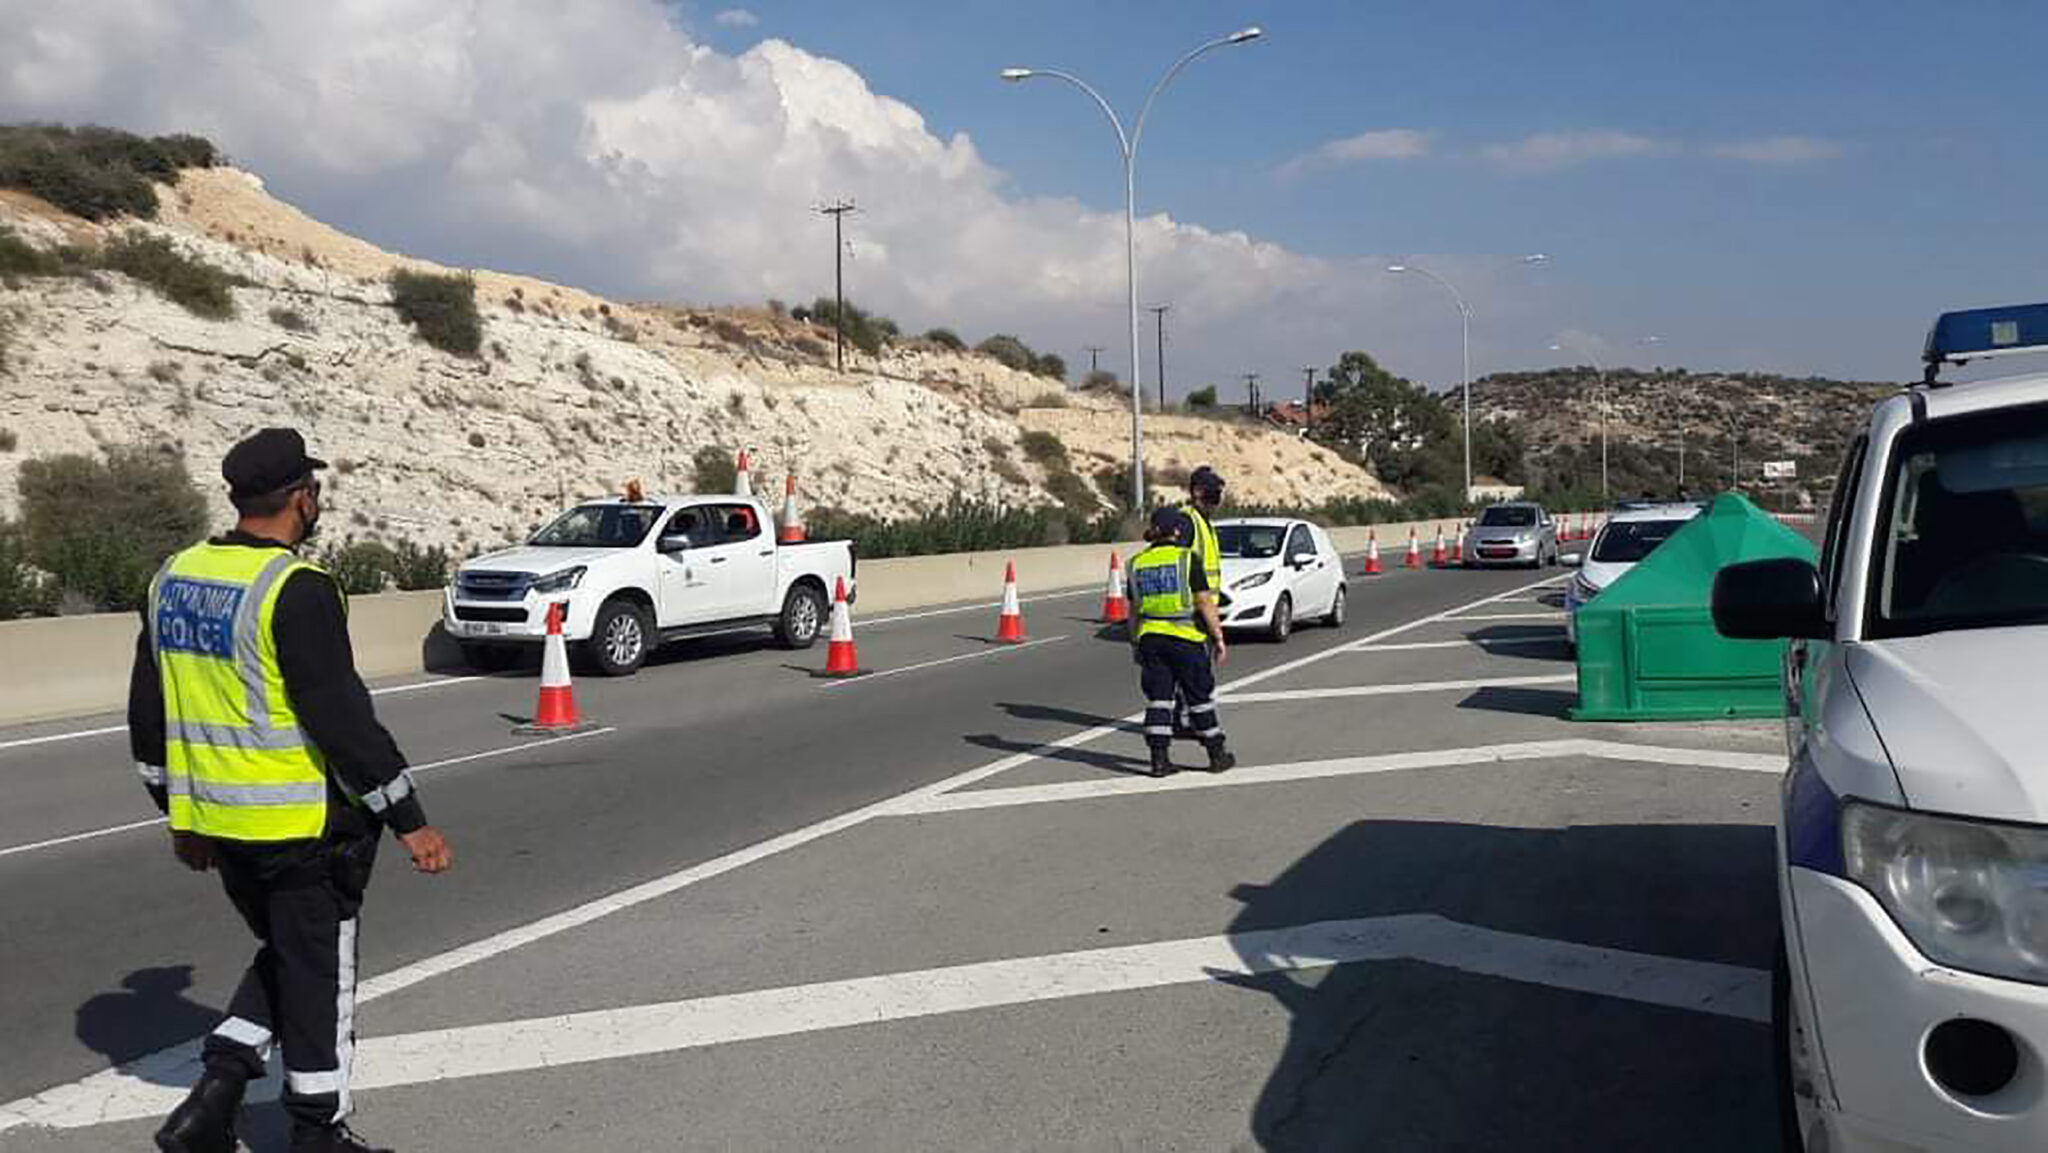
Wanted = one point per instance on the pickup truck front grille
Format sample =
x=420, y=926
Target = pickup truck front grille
x=508, y=616
x=492, y=586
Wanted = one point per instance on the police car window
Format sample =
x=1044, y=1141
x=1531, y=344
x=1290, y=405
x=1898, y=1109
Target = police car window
x=1963, y=541
x=598, y=526
x=1839, y=511
x=1250, y=541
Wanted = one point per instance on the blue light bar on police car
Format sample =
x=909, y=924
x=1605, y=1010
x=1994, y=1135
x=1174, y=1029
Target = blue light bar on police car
x=1977, y=333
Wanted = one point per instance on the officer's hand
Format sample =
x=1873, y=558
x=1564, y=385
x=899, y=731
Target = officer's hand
x=429, y=849
x=194, y=852
x=1222, y=652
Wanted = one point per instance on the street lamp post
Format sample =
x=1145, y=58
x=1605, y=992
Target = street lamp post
x=1600, y=374
x=1464, y=345
x=1127, y=143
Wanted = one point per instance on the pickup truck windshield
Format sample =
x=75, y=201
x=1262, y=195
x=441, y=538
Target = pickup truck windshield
x=1250, y=541
x=1499, y=517
x=599, y=526
x=1628, y=541
x=1964, y=542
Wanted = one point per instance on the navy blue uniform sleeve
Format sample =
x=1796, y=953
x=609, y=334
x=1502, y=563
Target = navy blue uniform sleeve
x=146, y=717
x=319, y=668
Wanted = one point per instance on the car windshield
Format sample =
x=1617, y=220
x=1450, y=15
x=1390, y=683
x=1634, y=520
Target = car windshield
x=1628, y=541
x=1250, y=541
x=599, y=526
x=1965, y=538
x=1501, y=516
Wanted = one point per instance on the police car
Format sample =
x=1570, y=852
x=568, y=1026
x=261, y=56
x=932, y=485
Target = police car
x=1911, y=992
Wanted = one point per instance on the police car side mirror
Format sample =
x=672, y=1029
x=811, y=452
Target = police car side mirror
x=1769, y=600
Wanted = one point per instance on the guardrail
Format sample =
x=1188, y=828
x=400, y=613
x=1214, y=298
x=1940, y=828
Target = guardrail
x=75, y=666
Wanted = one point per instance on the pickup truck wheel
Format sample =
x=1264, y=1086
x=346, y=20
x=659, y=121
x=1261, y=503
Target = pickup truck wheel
x=618, y=641
x=803, y=617
x=490, y=658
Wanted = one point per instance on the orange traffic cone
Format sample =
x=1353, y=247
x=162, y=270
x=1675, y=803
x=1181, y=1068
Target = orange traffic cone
x=792, y=524
x=1116, y=608
x=555, y=715
x=1414, y=557
x=1372, y=553
x=1010, y=626
x=743, y=477
x=840, y=660
x=1436, y=551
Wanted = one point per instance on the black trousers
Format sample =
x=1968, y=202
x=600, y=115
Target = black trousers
x=1171, y=666
x=300, y=898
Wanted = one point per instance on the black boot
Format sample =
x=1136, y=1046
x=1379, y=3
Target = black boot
x=1220, y=759
x=205, y=1121
x=1162, y=761
x=330, y=1139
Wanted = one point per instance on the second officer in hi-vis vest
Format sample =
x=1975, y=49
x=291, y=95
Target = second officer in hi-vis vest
x=1173, y=599
x=256, y=738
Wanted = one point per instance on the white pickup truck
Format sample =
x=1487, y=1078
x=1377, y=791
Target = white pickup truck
x=634, y=574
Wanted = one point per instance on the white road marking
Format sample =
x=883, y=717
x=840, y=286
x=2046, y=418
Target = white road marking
x=1483, y=643
x=1543, y=616
x=110, y=830
x=179, y=1064
x=995, y=651
x=80, y=734
x=1395, y=690
x=644, y=1030
x=1343, y=767
x=973, y=608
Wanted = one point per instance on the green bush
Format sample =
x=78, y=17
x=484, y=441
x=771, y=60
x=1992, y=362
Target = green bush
x=417, y=568
x=1044, y=449
x=1050, y=364
x=192, y=284
x=96, y=173
x=102, y=527
x=961, y=526
x=23, y=590
x=1204, y=397
x=290, y=319
x=360, y=567
x=9, y=440
x=713, y=470
x=864, y=330
x=946, y=338
x=1009, y=350
x=441, y=308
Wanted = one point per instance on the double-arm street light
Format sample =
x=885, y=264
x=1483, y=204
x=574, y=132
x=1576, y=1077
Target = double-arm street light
x=1128, y=144
x=1562, y=345
x=1464, y=343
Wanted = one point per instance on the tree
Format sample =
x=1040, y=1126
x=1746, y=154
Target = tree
x=1203, y=397
x=1399, y=427
x=1009, y=350
x=1050, y=364
x=1101, y=380
x=102, y=528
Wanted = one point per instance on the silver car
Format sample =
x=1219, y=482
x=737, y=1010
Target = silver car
x=1516, y=533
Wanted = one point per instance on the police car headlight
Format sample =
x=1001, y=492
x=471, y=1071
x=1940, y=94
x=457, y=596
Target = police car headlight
x=1969, y=894
x=560, y=582
x=1251, y=582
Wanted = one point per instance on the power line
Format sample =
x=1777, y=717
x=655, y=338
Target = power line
x=837, y=211
x=1308, y=400
x=1094, y=352
x=1158, y=312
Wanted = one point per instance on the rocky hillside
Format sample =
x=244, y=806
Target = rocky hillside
x=570, y=395
x=1769, y=418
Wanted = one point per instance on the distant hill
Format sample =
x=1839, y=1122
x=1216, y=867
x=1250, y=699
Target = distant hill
x=1808, y=421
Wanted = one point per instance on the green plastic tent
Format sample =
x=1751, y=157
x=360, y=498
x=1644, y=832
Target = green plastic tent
x=1647, y=645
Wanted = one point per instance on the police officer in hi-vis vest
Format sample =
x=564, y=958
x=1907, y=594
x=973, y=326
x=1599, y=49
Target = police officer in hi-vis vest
x=257, y=739
x=1172, y=595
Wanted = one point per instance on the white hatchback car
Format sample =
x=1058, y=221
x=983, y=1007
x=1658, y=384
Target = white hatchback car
x=1278, y=571
x=1911, y=992
x=1626, y=538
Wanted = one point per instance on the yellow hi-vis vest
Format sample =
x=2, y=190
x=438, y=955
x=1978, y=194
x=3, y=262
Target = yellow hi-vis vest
x=1164, y=598
x=1207, y=548
x=237, y=766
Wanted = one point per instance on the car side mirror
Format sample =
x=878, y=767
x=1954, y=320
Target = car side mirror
x=667, y=544
x=1300, y=560
x=1767, y=600
x=1571, y=559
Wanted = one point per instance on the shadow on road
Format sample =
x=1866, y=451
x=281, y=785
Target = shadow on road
x=1521, y=643
x=1399, y=1054
x=151, y=1013
x=1058, y=715
x=1552, y=703
x=1111, y=762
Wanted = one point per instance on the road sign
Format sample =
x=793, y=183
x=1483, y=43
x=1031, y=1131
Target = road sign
x=1781, y=470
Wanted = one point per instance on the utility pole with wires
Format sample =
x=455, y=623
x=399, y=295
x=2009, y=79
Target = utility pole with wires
x=1094, y=352
x=1158, y=312
x=1308, y=400
x=837, y=211
x=1251, y=387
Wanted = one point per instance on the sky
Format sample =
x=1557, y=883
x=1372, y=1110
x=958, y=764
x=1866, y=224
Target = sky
x=1795, y=187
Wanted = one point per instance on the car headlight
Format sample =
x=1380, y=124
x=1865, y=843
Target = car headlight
x=560, y=582
x=1585, y=589
x=1251, y=582
x=1969, y=894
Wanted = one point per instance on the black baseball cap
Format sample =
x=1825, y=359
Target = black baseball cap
x=268, y=461
x=1170, y=523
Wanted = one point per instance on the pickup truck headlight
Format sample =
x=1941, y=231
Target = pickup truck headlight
x=1969, y=894
x=560, y=582
x=1251, y=582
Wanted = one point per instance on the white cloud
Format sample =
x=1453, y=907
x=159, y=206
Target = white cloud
x=1778, y=150
x=1550, y=151
x=1384, y=144
x=600, y=145
x=736, y=18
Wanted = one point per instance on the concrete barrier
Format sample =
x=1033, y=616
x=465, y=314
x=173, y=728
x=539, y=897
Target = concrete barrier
x=74, y=666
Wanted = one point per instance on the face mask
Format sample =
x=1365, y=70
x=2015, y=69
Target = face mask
x=309, y=525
